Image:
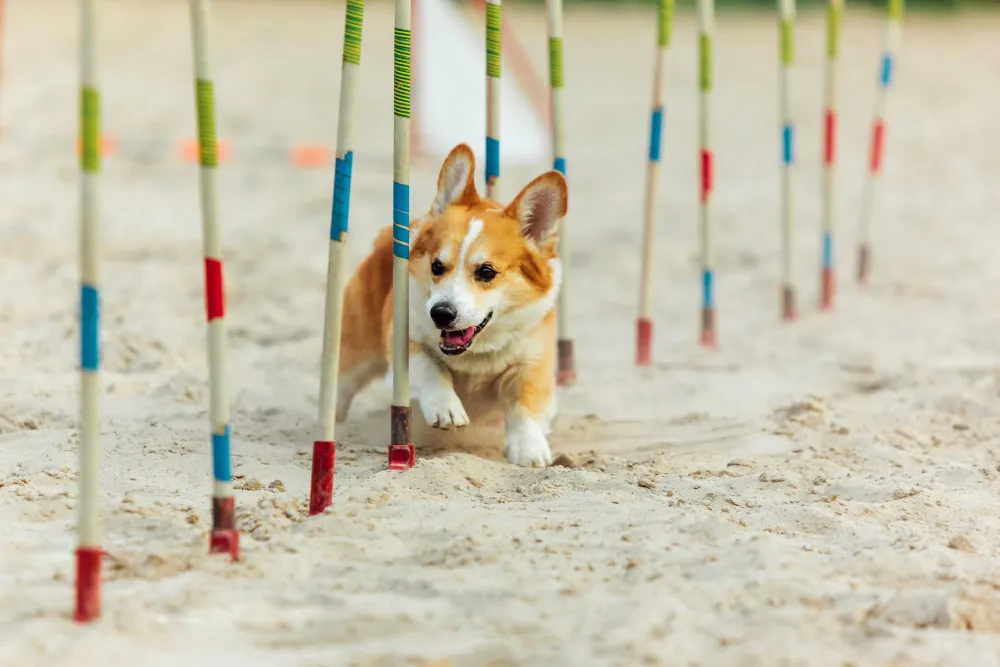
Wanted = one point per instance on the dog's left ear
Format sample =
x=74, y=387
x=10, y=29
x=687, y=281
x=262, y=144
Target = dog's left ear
x=540, y=205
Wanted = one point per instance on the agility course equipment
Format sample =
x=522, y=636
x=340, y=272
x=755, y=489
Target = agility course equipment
x=894, y=15
x=224, y=537
x=566, y=364
x=88, y=551
x=325, y=449
x=401, y=451
x=644, y=326
x=401, y=448
x=786, y=22
x=828, y=276
x=706, y=26
x=493, y=10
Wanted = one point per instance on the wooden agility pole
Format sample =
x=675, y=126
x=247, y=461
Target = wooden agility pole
x=566, y=373
x=644, y=326
x=493, y=68
x=325, y=449
x=828, y=275
x=706, y=26
x=224, y=537
x=786, y=27
x=88, y=551
x=894, y=16
x=401, y=452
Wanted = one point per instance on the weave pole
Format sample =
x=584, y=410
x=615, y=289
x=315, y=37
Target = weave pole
x=786, y=22
x=493, y=43
x=401, y=452
x=706, y=26
x=828, y=275
x=325, y=449
x=644, y=325
x=566, y=373
x=224, y=537
x=88, y=550
x=892, y=34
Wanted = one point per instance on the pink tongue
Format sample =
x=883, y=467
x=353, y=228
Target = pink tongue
x=459, y=337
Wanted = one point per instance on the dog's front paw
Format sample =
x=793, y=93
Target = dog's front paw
x=443, y=409
x=527, y=446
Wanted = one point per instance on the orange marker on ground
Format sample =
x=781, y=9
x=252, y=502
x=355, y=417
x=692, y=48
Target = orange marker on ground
x=310, y=156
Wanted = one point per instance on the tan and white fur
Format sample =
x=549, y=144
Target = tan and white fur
x=484, y=278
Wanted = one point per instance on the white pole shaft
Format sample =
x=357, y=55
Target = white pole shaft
x=892, y=37
x=653, y=165
x=566, y=370
x=214, y=293
x=493, y=73
x=706, y=23
x=90, y=381
x=401, y=213
x=786, y=24
x=337, y=260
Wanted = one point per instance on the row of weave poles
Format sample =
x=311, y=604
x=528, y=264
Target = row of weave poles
x=224, y=536
x=706, y=29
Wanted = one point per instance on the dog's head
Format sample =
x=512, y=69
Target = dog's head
x=485, y=273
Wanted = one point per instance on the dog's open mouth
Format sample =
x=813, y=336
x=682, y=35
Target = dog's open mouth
x=458, y=341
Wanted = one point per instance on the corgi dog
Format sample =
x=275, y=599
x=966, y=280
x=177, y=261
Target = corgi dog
x=483, y=280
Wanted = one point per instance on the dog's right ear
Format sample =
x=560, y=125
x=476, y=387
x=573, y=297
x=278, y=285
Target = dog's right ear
x=456, y=182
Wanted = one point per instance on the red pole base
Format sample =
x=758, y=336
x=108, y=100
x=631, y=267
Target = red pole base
x=644, y=342
x=321, y=487
x=788, y=311
x=827, y=289
x=224, y=541
x=566, y=375
x=88, y=584
x=402, y=457
x=224, y=538
x=708, y=338
x=864, y=263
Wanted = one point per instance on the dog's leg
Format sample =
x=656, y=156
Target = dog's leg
x=529, y=397
x=433, y=386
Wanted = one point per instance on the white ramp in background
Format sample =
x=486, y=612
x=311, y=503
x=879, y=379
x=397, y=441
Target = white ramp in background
x=450, y=92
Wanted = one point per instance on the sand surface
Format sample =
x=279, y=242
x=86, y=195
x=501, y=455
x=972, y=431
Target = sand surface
x=823, y=493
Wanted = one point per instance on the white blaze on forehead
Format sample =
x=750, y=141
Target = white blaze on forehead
x=444, y=255
x=475, y=229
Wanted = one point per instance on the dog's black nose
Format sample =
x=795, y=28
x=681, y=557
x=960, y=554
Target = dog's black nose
x=443, y=315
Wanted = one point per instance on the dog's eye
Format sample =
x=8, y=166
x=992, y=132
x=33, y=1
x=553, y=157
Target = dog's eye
x=437, y=268
x=485, y=273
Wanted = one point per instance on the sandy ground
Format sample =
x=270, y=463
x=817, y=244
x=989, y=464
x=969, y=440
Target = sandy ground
x=823, y=493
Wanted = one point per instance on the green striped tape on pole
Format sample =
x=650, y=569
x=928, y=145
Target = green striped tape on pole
x=665, y=19
x=705, y=56
x=834, y=12
x=205, y=95
x=352, y=31
x=493, y=40
x=787, y=41
x=401, y=74
x=90, y=129
x=895, y=10
x=555, y=62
